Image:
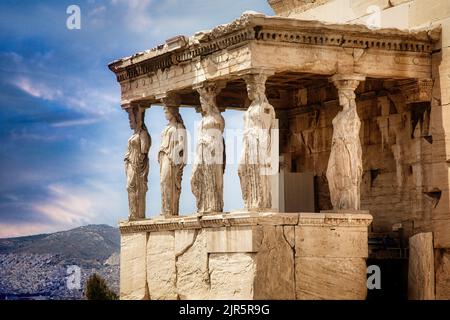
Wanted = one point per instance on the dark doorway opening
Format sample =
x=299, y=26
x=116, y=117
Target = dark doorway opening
x=394, y=279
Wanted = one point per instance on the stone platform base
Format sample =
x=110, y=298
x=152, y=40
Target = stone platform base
x=242, y=255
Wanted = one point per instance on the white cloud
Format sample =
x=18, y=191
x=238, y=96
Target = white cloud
x=14, y=57
x=11, y=197
x=9, y=230
x=69, y=206
x=24, y=134
x=77, y=96
x=97, y=10
x=105, y=151
x=36, y=89
x=73, y=90
x=72, y=123
x=66, y=207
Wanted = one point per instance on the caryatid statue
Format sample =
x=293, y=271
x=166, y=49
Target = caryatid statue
x=136, y=163
x=345, y=170
x=257, y=163
x=172, y=157
x=209, y=164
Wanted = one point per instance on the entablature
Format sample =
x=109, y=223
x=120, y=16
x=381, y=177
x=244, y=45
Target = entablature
x=282, y=45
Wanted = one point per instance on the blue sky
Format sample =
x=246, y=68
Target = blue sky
x=63, y=134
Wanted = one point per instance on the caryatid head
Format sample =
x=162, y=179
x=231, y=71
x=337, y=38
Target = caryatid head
x=136, y=116
x=346, y=86
x=172, y=114
x=347, y=98
x=208, y=94
x=171, y=103
x=256, y=87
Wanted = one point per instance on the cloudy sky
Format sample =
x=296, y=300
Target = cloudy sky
x=63, y=134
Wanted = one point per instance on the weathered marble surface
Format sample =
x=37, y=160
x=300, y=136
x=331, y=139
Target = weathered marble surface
x=257, y=161
x=313, y=241
x=133, y=282
x=442, y=274
x=172, y=159
x=193, y=275
x=275, y=261
x=232, y=275
x=345, y=169
x=161, y=270
x=421, y=283
x=330, y=278
x=136, y=163
x=414, y=182
x=209, y=165
x=232, y=239
x=245, y=255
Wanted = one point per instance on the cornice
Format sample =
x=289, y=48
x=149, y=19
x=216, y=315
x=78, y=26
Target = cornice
x=234, y=219
x=259, y=28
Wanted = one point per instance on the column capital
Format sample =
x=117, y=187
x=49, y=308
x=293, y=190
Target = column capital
x=257, y=71
x=347, y=81
x=256, y=78
x=135, y=104
x=210, y=87
x=208, y=92
x=170, y=99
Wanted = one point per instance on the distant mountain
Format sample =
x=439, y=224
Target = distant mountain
x=39, y=266
x=91, y=242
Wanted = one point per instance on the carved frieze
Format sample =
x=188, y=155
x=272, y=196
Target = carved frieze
x=257, y=27
x=416, y=91
x=360, y=219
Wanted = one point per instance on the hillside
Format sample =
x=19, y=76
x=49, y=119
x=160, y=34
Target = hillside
x=37, y=266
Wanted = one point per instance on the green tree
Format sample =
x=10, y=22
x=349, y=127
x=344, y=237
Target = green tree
x=97, y=289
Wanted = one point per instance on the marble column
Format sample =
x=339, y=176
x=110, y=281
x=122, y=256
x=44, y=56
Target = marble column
x=256, y=161
x=136, y=161
x=345, y=170
x=172, y=156
x=209, y=164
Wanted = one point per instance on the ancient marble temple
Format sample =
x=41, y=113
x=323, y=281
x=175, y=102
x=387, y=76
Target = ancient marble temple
x=344, y=142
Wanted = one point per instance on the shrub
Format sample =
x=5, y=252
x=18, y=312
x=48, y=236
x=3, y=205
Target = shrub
x=97, y=289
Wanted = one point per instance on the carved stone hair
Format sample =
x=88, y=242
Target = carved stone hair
x=175, y=112
x=138, y=113
x=257, y=82
x=208, y=92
